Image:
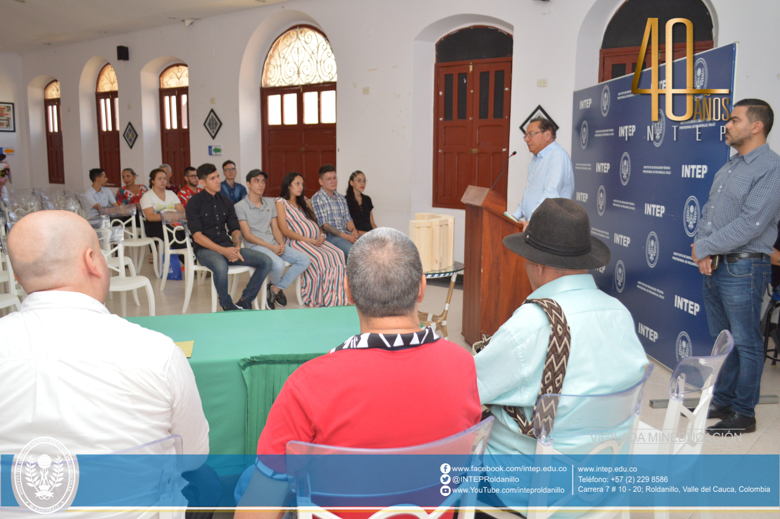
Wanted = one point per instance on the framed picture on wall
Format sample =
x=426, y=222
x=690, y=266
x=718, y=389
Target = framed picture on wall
x=7, y=117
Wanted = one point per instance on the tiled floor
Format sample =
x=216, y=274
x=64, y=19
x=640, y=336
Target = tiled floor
x=766, y=440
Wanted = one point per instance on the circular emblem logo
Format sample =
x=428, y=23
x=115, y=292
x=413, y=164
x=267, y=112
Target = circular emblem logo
x=45, y=476
x=659, y=129
x=625, y=168
x=601, y=201
x=691, y=216
x=605, y=100
x=683, y=348
x=584, y=135
x=700, y=75
x=651, y=249
x=620, y=276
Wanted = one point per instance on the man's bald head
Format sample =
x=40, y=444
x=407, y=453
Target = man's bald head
x=58, y=250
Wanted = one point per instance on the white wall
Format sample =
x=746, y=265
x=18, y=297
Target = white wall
x=12, y=91
x=385, y=46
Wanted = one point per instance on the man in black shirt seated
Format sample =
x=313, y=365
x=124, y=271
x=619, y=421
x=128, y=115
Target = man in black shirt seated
x=216, y=237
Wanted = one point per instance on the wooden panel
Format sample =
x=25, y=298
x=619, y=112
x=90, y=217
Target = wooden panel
x=495, y=282
x=108, y=140
x=175, y=142
x=312, y=145
x=54, y=151
x=628, y=56
x=470, y=132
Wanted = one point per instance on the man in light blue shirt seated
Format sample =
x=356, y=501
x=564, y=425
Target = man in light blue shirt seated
x=605, y=353
x=98, y=195
x=550, y=174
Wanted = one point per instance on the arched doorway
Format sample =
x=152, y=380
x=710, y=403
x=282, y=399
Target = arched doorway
x=174, y=119
x=473, y=77
x=54, y=154
x=298, y=100
x=107, y=98
x=623, y=37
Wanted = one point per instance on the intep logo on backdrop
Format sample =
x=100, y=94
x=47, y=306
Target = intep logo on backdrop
x=625, y=168
x=651, y=37
x=620, y=276
x=601, y=201
x=657, y=130
x=584, y=135
x=605, y=100
x=683, y=347
x=651, y=249
x=691, y=216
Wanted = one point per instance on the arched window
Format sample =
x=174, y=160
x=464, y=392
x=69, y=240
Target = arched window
x=298, y=96
x=620, y=47
x=107, y=97
x=473, y=77
x=51, y=105
x=174, y=119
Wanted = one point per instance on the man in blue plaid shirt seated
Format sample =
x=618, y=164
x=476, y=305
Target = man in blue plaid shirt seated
x=333, y=213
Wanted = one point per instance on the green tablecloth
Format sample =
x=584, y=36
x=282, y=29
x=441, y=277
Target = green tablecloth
x=241, y=360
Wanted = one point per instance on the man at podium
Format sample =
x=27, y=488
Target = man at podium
x=550, y=174
x=603, y=353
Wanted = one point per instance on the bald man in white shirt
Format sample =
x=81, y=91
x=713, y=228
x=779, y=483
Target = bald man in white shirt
x=72, y=371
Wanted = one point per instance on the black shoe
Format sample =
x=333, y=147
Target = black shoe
x=245, y=305
x=717, y=411
x=231, y=307
x=281, y=298
x=733, y=424
x=270, y=297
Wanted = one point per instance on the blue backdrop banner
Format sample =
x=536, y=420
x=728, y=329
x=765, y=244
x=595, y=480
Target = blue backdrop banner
x=644, y=184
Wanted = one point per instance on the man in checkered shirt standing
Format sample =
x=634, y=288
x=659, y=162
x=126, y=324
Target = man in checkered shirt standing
x=333, y=212
x=736, y=233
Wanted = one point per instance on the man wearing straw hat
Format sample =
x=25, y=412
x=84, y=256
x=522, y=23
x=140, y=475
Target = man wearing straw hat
x=593, y=332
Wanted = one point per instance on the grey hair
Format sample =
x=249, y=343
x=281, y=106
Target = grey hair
x=164, y=166
x=384, y=272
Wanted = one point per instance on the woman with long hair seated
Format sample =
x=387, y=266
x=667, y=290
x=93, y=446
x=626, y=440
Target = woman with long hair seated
x=158, y=200
x=322, y=284
x=131, y=193
x=360, y=205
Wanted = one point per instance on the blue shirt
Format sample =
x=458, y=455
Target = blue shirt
x=104, y=198
x=742, y=212
x=605, y=356
x=550, y=175
x=235, y=193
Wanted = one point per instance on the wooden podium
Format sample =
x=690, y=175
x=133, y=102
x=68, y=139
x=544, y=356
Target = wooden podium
x=494, y=280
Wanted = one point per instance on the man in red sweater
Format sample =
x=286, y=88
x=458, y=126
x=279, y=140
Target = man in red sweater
x=394, y=385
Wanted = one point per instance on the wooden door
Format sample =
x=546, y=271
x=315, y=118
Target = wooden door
x=471, y=129
x=299, y=133
x=108, y=135
x=175, y=130
x=54, y=151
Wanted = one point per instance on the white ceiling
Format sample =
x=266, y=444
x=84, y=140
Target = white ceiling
x=32, y=24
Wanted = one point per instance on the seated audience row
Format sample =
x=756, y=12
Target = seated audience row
x=389, y=386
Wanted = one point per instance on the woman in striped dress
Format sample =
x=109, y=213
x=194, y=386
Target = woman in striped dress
x=322, y=284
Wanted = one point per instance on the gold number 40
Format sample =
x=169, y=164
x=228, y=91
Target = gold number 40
x=651, y=34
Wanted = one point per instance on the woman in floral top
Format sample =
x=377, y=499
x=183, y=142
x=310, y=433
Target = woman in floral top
x=132, y=192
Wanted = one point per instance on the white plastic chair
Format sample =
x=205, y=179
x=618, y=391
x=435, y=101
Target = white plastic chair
x=125, y=216
x=172, y=241
x=583, y=425
x=191, y=267
x=112, y=241
x=692, y=375
x=317, y=485
x=10, y=298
